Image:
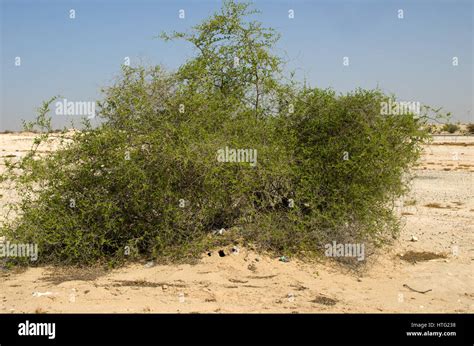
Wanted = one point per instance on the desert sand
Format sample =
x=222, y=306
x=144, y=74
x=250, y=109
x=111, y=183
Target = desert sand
x=437, y=219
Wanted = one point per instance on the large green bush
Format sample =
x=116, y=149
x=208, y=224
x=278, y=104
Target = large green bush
x=147, y=181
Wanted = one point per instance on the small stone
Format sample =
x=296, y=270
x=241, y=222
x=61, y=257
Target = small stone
x=413, y=238
x=41, y=294
x=252, y=267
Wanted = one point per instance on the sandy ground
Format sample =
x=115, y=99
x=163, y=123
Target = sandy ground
x=438, y=212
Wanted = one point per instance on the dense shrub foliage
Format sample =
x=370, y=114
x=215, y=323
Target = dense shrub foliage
x=148, y=182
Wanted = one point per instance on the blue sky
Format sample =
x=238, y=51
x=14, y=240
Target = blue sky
x=74, y=58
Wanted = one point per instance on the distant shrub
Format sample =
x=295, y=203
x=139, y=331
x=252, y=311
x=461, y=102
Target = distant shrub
x=451, y=128
x=470, y=128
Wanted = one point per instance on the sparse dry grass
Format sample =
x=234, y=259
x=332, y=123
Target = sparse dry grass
x=324, y=300
x=58, y=275
x=434, y=205
x=415, y=256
